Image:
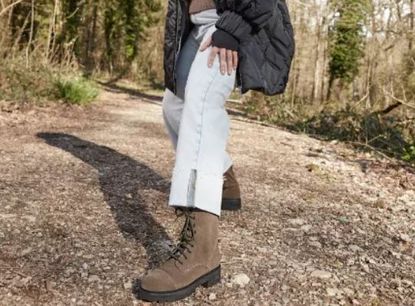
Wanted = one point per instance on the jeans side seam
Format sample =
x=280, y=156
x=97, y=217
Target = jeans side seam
x=201, y=114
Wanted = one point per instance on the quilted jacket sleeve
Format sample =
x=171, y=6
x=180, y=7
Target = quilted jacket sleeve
x=223, y=39
x=247, y=16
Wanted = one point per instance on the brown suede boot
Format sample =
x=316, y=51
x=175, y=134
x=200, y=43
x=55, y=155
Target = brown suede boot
x=194, y=262
x=231, y=196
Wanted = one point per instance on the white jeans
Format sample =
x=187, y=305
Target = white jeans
x=198, y=123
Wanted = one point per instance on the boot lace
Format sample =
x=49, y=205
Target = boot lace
x=186, y=236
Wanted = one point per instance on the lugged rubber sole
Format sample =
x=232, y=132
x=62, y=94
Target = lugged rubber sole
x=231, y=204
x=207, y=280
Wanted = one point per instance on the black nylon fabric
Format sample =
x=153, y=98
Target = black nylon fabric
x=265, y=34
x=222, y=39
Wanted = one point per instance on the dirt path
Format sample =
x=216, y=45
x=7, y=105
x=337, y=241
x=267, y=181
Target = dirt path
x=83, y=213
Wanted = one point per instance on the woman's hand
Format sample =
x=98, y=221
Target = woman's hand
x=228, y=58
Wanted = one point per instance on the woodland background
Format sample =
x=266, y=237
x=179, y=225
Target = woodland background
x=353, y=77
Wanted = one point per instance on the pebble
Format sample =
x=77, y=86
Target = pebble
x=349, y=292
x=128, y=285
x=355, y=248
x=306, y=228
x=212, y=296
x=26, y=251
x=333, y=292
x=405, y=238
x=297, y=221
x=315, y=244
x=31, y=219
x=365, y=268
x=241, y=279
x=321, y=274
x=93, y=278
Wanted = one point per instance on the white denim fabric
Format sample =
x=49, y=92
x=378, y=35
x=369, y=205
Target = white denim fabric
x=197, y=121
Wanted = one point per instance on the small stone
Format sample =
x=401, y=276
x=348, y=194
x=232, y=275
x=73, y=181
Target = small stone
x=128, y=285
x=355, y=248
x=333, y=292
x=350, y=262
x=285, y=288
x=349, y=292
x=69, y=271
x=241, y=279
x=306, y=228
x=380, y=203
x=405, y=238
x=212, y=296
x=343, y=219
x=262, y=250
x=365, y=268
x=31, y=219
x=297, y=221
x=27, y=251
x=321, y=274
x=315, y=244
x=93, y=278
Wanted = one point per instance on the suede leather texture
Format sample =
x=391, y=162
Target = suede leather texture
x=231, y=189
x=203, y=258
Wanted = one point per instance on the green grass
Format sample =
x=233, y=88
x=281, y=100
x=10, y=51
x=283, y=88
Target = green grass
x=41, y=83
x=79, y=91
x=409, y=154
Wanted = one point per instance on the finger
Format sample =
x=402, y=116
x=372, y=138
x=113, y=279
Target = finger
x=223, y=61
x=212, y=56
x=206, y=44
x=235, y=59
x=229, y=57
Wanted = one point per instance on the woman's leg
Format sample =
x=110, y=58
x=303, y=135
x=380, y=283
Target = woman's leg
x=197, y=175
x=203, y=129
x=173, y=104
x=172, y=107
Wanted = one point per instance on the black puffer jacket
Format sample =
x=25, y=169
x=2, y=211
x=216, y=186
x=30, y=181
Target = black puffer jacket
x=265, y=34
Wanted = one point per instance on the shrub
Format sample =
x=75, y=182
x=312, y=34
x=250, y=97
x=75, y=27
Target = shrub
x=392, y=134
x=21, y=84
x=41, y=83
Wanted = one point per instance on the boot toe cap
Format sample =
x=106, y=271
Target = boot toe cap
x=157, y=281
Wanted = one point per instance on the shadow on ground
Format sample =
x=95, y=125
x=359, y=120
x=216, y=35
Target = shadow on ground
x=155, y=99
x=122, y=180
x=112, y=87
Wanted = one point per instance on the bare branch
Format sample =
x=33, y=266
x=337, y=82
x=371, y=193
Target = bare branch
x=10, y=6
